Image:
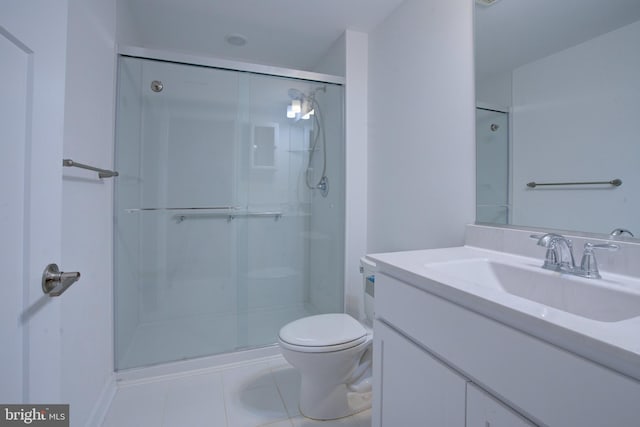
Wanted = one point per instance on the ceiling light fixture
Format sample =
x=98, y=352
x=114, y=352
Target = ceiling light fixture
x=236, y=39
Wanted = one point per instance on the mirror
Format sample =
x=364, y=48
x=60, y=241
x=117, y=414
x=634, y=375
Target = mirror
x=558, y=97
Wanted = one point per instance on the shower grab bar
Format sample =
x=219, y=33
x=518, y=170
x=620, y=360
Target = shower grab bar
x=102, y=173
x=615, y=182
x=224, y=208
x=230, y=216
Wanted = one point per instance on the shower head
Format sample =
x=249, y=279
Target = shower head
x=303, y=105
x=298, y=94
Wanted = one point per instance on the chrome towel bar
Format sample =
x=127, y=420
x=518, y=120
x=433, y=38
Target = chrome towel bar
x=226, y=208
x=230, y=216
x=102, y=173
x=615, y=182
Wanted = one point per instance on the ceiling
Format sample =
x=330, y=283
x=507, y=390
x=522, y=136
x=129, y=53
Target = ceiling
x=297, y=33
x=287, y=33
x=511, y=33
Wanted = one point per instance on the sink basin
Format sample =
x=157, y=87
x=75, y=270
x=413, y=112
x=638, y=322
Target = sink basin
x=597, y=299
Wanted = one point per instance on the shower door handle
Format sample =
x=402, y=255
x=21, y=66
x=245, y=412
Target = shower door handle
x=55, y=282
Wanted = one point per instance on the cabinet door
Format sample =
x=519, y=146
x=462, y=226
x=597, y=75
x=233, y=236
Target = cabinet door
x=485, y=411
x=412, y=388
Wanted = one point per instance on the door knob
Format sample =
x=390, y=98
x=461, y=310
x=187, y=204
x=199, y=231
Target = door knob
x=55, y=282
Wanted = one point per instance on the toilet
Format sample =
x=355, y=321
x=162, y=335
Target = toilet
x=333, y=353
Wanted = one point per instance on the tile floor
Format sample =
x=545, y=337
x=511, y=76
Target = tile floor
x=257, y=393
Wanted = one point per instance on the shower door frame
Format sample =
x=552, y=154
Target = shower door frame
x=182, y=58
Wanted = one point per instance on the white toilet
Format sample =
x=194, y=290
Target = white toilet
x=332, y=352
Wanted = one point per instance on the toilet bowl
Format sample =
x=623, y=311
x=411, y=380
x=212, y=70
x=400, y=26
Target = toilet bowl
x=333, y=354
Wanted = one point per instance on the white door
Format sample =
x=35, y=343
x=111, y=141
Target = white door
x=32, y=64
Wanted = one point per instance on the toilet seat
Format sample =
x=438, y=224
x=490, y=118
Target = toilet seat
x=323, y=333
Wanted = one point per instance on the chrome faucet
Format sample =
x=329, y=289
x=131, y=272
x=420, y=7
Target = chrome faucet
x=559, y=256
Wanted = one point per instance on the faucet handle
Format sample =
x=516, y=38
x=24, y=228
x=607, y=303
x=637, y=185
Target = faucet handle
x=548, y=239
x=609, y=246
x=589, y=265
x=621, y=232
x=552, y=257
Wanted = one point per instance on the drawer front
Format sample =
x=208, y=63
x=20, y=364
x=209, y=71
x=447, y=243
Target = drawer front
x=549, y=385
x=485, y=411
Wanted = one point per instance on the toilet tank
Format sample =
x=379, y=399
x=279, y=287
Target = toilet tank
x=367, y=268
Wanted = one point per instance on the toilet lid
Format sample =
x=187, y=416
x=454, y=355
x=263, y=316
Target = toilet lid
x=323, y=330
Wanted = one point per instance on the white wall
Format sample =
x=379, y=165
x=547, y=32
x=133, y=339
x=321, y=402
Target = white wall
x=575, y=118
x=349, y=57
x=421, y=126
x=334, y=60
x=356, y=155
x=126, y=29
x=86, y=308
x=494, y=91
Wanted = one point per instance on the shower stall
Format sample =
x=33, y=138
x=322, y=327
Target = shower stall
x=229, y=208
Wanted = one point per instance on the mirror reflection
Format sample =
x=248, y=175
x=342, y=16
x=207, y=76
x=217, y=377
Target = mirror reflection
x=558, y=97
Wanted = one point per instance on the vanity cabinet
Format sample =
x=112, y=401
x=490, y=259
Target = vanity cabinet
x=419, y=390
x=437, y=363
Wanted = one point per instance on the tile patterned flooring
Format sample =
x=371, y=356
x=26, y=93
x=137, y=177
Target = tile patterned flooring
x=253, y=394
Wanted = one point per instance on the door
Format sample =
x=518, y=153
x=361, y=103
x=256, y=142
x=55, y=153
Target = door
x=413, y=388
x=32, y=60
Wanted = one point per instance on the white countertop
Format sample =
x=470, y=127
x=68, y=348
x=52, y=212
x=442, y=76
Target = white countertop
x=612, y=344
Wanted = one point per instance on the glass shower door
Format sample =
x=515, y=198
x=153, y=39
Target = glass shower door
x=178, y=131
x=215, y=228
x=290, y=243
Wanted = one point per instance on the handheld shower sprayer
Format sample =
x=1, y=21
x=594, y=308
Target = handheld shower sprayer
x=310, y=107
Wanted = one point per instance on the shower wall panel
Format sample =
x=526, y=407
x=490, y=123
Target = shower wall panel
x=326, y=246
